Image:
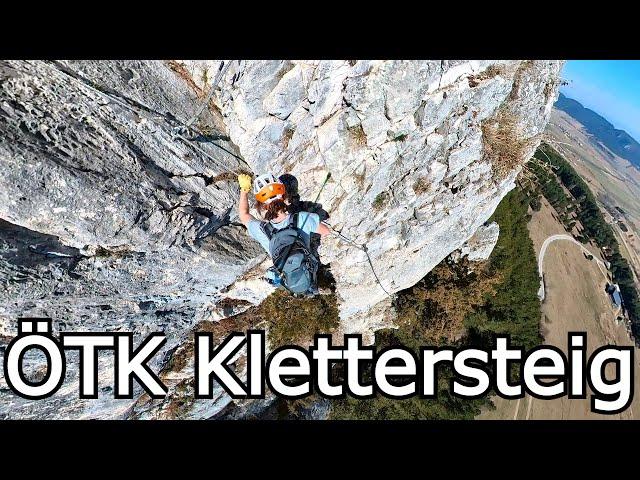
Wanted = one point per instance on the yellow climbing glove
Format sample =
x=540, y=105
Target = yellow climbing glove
x=245, y=182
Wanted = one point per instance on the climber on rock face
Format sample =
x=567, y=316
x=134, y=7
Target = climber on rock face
x=284, y=234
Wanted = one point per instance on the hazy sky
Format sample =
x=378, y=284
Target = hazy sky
x=608, y=87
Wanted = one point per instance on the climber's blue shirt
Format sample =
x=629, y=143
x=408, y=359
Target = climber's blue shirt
x=310, y=226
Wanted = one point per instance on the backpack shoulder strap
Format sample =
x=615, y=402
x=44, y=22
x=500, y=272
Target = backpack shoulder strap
x=293, y=220
x=267, y=229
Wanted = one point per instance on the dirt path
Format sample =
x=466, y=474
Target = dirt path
x=575, y=301
x=553, y=238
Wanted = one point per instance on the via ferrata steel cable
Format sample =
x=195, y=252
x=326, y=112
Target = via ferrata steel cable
x=364, y=248
x=143, y=110
x=221, y=71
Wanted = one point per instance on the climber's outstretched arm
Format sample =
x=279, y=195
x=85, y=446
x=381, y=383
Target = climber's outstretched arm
x=243, y=209
x=243, y=204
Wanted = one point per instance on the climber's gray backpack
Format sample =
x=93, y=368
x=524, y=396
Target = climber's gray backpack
x=291, y=257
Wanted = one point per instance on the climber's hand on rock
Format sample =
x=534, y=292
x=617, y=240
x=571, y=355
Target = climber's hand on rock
x=245, y=182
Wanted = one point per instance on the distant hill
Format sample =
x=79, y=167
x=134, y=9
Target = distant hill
x=618, y=141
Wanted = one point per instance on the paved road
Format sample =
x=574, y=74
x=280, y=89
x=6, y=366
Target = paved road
x=569, y=238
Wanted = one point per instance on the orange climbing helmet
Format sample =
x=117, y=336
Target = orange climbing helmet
x=267, y=188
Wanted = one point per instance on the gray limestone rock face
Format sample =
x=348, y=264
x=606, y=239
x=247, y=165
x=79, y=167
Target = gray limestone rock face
x=108, y=222
x=479, y=247
x=111, y=223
